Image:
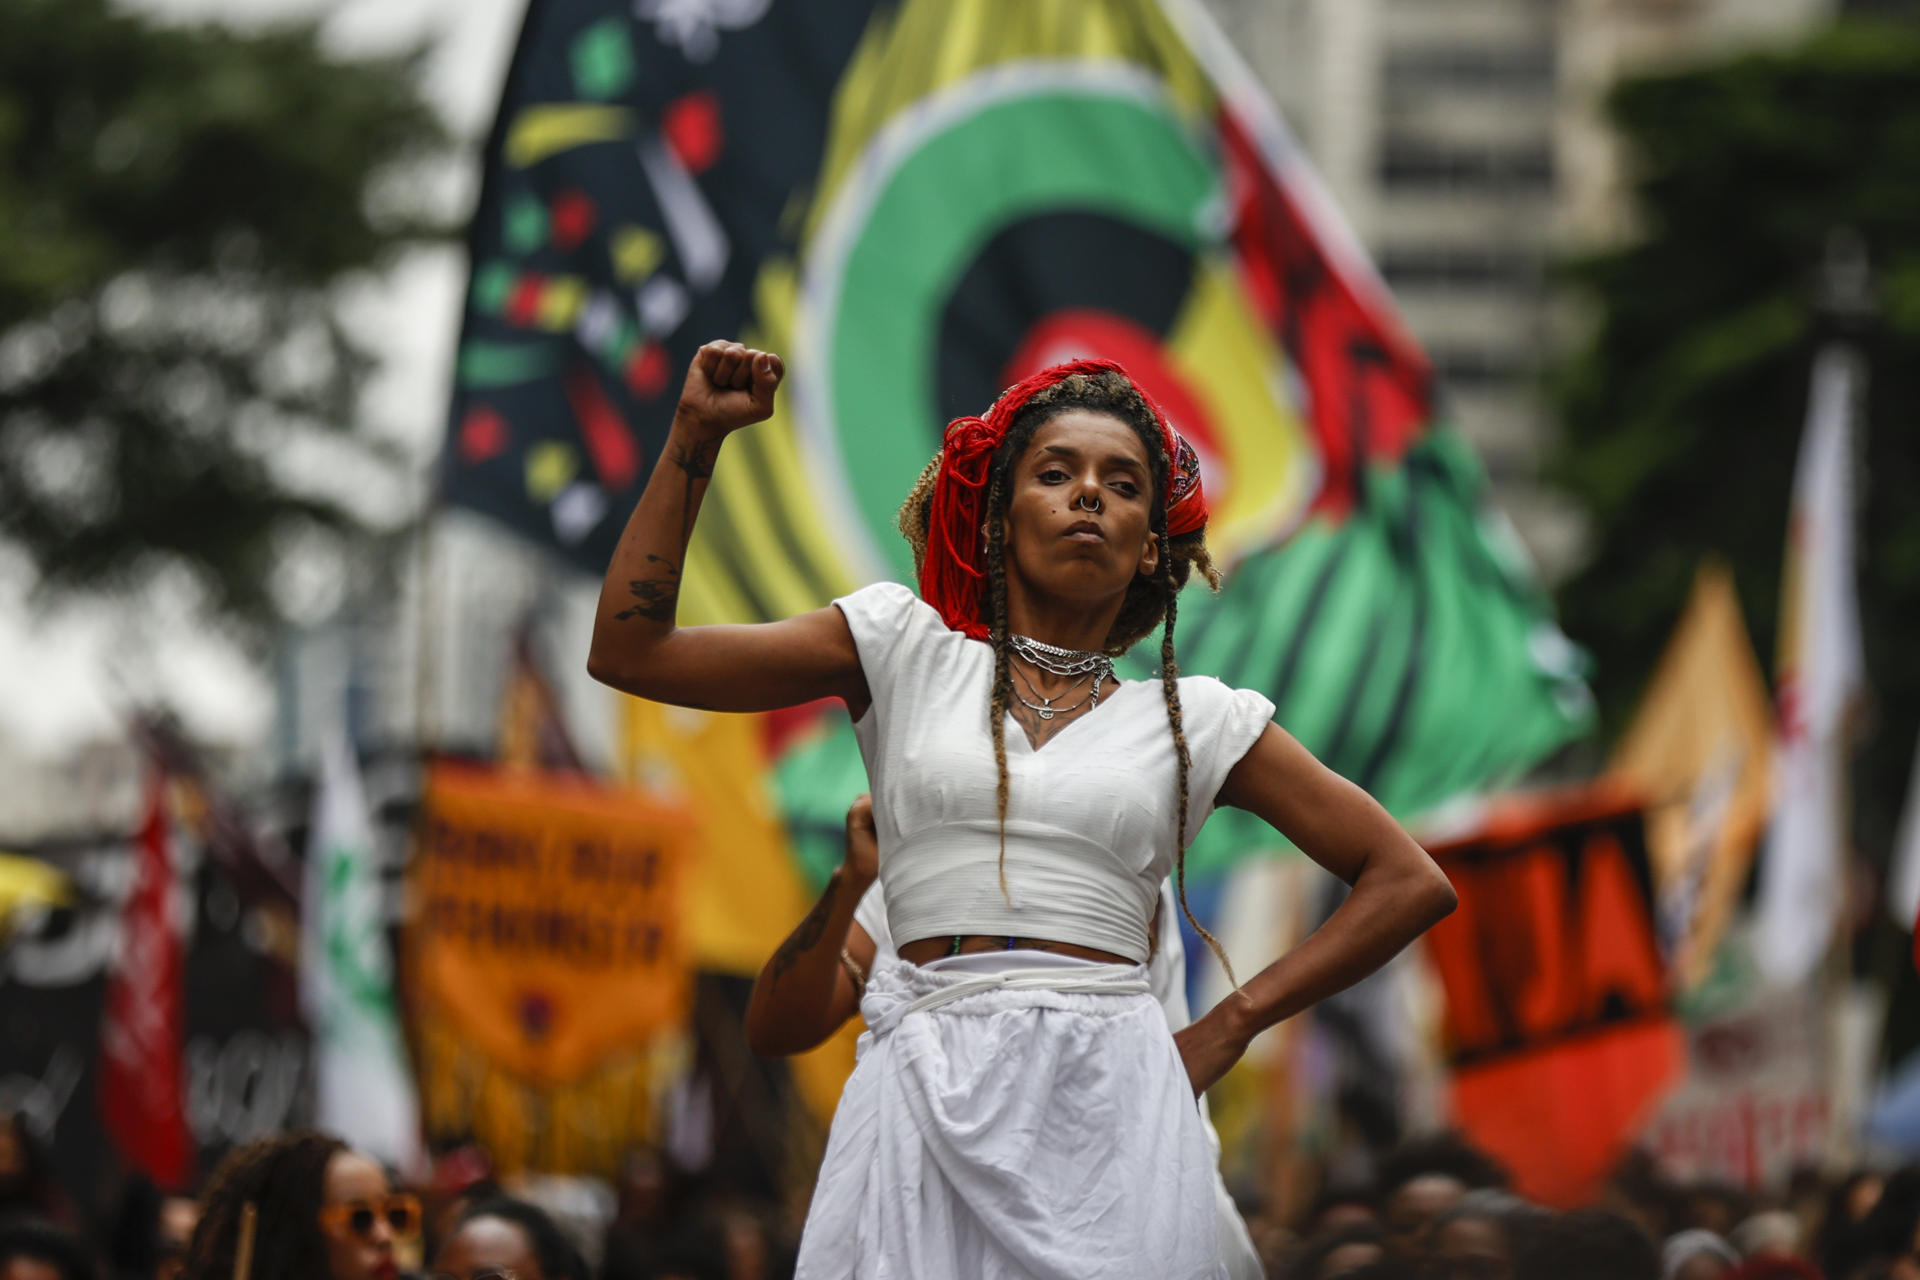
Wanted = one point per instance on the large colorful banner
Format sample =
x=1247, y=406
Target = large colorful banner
x=1556, y=989
x=917, y=203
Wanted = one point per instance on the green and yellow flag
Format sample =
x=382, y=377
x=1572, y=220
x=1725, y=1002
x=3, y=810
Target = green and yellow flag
x=918, y=203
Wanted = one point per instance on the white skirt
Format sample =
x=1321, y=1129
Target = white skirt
x=1018, y=1132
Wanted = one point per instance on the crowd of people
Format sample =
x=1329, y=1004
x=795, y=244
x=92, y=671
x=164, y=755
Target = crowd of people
x=304, y=1206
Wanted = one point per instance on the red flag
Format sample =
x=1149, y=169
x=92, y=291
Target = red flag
x=142, y=1099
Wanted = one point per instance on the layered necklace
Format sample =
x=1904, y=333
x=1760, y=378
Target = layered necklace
x=1060, y=662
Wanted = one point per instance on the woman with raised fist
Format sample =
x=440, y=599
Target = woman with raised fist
x=1020, y=1108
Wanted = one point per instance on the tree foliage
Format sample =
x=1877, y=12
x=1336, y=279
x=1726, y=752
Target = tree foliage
x=1683, y=412
x=179, y=207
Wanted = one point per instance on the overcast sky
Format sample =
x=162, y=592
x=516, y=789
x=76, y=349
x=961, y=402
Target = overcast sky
x=63, y=675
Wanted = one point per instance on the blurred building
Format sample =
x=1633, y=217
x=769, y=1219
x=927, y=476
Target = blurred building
x=1465, y=141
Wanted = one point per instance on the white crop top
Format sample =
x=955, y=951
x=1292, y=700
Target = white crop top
x=1089, y=814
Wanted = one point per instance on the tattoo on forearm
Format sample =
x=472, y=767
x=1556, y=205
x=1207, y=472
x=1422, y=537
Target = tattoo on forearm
x=696, y=460
x=655, y=598
x=806, y=936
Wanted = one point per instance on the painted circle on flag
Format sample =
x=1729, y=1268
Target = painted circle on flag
x=1007, y=223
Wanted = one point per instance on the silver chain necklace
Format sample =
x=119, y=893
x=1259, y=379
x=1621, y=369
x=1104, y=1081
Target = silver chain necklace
x=1047, y=710
x=1060, y=662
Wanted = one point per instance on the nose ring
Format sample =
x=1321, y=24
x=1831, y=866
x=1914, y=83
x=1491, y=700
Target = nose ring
x=1084, y=503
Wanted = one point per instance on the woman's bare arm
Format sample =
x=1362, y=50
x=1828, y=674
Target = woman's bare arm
x=637, y=647
x=804, y=993
x=1398, y=894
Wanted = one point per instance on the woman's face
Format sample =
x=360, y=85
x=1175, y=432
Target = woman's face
x=487, y=1247
x=353, y=1253
x=1078, y=515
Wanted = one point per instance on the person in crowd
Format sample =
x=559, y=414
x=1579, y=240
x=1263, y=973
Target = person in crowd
x=1775, y=1266
x=150, y=1232
x=1425, y=1177
x=1481, y=1237
x=173, y=1231
x=1588, y=1244
x=461, y=1175
x=1340, y=1204
x=505, y=1239
x=698, y=1251
x=1639, y=1189
x=28, y=1187
x=1696, y=1254
x=1715, y=1206
x=321, y=1211
x=1838, y=1243
x=1338, y=1252
x=1021, y=868
x=1769, y=1233
x=1889, y=1238
x=35, y=1249
x=648, y=1197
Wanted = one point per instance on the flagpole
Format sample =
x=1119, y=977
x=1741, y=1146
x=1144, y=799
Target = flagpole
x=1846, y=306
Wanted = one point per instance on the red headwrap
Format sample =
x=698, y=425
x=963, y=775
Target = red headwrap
x=953, y=576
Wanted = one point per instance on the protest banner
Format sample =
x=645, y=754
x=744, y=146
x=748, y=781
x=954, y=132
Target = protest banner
x=546, y=959
x=1557, y=1023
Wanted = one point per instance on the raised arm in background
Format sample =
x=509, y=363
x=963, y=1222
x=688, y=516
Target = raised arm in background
x=637, y=647
x=805, y=992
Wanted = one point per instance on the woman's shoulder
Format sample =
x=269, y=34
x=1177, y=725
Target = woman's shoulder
x=1205, y=690
x=889, y=600
x=890, y=622
x=1208, y=697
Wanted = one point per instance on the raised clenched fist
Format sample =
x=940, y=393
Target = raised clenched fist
x=728, y=386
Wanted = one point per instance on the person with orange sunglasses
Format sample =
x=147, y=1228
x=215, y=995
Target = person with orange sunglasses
x=320, y=1211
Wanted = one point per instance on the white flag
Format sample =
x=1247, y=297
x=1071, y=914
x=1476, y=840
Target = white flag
x=1903, y=874
x=363, y=1089
x=1803, y=870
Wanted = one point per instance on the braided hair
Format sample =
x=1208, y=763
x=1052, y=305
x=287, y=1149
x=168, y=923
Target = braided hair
x=1150, y=600
x=284, y=1178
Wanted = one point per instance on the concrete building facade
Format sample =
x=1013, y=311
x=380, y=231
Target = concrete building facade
x=1465, y=141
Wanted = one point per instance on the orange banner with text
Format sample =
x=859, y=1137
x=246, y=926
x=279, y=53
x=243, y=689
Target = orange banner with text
x=546, y=924
x=1557, y=1026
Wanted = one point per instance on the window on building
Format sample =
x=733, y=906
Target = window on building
x=1408, y=165
x=1474, y=369
x=1459, y=267
x=1527, y=70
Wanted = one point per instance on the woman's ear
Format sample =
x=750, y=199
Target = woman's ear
x=1150, y=556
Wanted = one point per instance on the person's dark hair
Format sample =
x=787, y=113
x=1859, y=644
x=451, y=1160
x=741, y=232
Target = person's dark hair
x=1887, y=1230
x=34, y=1192
x=1517, y=1220
x=1840, y=1244
x=1150, y=601
x=559, y=1260
x=1441, y=1153
x=132, y=1239
x=284, y=1178
x=43, y=1242
x=1588, y=1244
x=1342, y=1191
x=1386, y=1268
x=1314, y=1254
